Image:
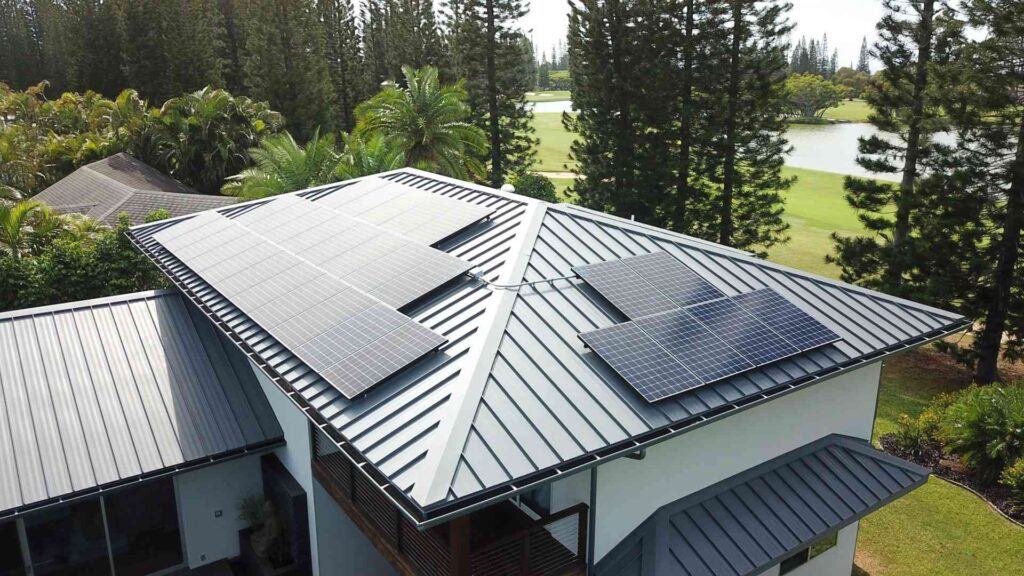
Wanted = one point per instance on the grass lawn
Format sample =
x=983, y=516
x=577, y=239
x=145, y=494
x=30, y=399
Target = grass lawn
x=560, y=185
x=548, y=96
x=849, y=111
x=553, y=151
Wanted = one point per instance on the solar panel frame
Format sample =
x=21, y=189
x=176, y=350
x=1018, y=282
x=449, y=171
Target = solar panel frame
x=675, y=280
x=787, y=319
x=693, y=345
x=728, y=321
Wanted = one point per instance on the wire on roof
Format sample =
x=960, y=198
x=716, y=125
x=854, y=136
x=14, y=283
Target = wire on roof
x=479, y=276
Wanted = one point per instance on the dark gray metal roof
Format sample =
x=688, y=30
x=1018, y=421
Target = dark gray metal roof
x=514, y=398
x=98, y=393
x=119, y=183
x=754, y=520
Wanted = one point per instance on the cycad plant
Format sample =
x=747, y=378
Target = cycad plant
x=363, y=157
x=26, y=225
x=985, y=426
x=428, y=122
x=281, y=165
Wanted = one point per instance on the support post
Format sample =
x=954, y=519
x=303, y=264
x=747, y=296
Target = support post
x=458, y=534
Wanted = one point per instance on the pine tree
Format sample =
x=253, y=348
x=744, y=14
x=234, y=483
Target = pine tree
x=344, y=59
x=863, y=61
x=915, y=39
x=488, y=50
x=284, y=62
x=398, y=33
x=752, y=145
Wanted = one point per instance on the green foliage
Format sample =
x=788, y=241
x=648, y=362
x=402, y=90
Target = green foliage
x=363, y=157
x=854, y=81
x=535, y=186
x=1013, y=478
x=280, y=165
x=984, y=425
x=429, y=122
x=810, y=95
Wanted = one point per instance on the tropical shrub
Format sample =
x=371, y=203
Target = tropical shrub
x=809, y=95
x=365, y=156
x=281, y=165
x=535, y=186
x=1013, y=478
x=984, y=426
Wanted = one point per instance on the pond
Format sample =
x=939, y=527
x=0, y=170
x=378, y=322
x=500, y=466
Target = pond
x=826, y=147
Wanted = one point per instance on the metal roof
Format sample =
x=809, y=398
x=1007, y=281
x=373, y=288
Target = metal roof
x=119, y=183
x=514, y=399
x=754, y=520
x=99, y=393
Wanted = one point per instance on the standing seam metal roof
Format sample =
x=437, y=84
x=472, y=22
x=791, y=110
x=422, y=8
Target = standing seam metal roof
x=515, y=398
x=98, y=393
x=754, y=520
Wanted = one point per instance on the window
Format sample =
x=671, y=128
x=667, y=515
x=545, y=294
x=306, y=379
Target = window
x=11, y=561
x=812, y=551
x=143, y=525
x=68, y=540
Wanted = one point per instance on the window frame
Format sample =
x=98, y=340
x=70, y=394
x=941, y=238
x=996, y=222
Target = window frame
x=808, y=553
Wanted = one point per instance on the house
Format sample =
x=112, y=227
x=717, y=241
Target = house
x=427, y=376
x=104, y=189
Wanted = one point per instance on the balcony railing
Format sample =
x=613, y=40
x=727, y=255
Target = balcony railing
x=554, y=545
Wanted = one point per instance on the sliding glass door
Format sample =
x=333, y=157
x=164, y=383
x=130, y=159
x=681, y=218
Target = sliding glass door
x=132, y=532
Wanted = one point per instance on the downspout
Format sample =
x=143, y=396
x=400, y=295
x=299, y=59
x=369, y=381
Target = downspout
x=592, y=521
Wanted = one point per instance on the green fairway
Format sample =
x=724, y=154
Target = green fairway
x=553, y=151
x=849, y=111
x=548, y=96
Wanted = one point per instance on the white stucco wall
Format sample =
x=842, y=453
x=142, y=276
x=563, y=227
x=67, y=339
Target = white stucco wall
x=201, y=494
x=295, y=454
x=344, y=549
x=628, y=491
x=837, y=561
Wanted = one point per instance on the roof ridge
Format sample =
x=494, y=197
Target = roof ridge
x=741, y=256
x=101, y=301
x=441, y=460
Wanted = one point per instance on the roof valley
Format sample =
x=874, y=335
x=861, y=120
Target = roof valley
x=442, y=458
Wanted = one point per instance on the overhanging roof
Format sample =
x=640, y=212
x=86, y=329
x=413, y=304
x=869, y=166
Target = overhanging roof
x=101, y=393
x=754, y=520
x=104, y=189
x=514, y=399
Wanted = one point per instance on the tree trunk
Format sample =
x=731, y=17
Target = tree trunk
x=905, y=198
x=683, y=190
x=1000, y=292
x=725, y=229
x=497, y=174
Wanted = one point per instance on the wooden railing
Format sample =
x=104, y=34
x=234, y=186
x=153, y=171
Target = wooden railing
x=553, y=545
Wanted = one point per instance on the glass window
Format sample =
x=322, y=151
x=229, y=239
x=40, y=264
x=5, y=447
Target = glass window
x=143, y=524
x=826, y=543
x=538, y=499
x=793, y=562
x=801, y=557
x=11, y=562
x=68, y=540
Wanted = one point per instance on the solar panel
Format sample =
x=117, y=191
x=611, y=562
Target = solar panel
x=790, y=322
x=417, y=214
x=640, y=361
x=671, y=352
x=348, y=337
x=742, y=331
x=647, y=284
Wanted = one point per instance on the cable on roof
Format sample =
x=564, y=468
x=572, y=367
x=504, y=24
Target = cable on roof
x=479, y=276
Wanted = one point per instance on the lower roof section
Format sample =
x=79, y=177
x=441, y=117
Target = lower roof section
x=98, y=393
x=754, y=520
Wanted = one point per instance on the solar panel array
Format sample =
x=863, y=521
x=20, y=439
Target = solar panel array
x=671, y=352
x=319, y=282
x=416, y=214
x=647, y=284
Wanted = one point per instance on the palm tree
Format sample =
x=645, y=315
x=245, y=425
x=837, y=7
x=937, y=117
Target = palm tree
x=281, y=165
x=26, y=225
x=428, y=122
x=370, y=156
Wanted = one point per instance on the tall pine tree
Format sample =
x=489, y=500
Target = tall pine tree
x=345, y=61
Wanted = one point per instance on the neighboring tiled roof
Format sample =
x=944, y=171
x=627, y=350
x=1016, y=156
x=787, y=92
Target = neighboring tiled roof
x=120, y=183
x=756, y=519
x=102, y=392
x=514, y=399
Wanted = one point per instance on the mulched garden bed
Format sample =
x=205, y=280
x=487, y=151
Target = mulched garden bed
x=948, y=467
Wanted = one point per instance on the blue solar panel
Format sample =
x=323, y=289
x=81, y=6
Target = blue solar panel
x=641, y=362
x=647, y=284
x=693, y=345
x=788, y=321
x=748, y=335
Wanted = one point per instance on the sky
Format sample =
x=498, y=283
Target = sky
x=845, y=21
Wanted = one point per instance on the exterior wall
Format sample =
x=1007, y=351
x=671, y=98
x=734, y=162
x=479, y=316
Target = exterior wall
x=295, y=454
x=628, y=491
x=204, y=493
x=344, y=549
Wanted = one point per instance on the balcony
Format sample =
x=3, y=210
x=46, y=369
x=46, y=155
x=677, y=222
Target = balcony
x=498, y=541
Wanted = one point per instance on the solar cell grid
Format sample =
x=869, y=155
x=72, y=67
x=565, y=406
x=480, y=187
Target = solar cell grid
x=624, y=288
x=786, y=319
x=742, y=331
x=693, y=345
x=673, y=278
